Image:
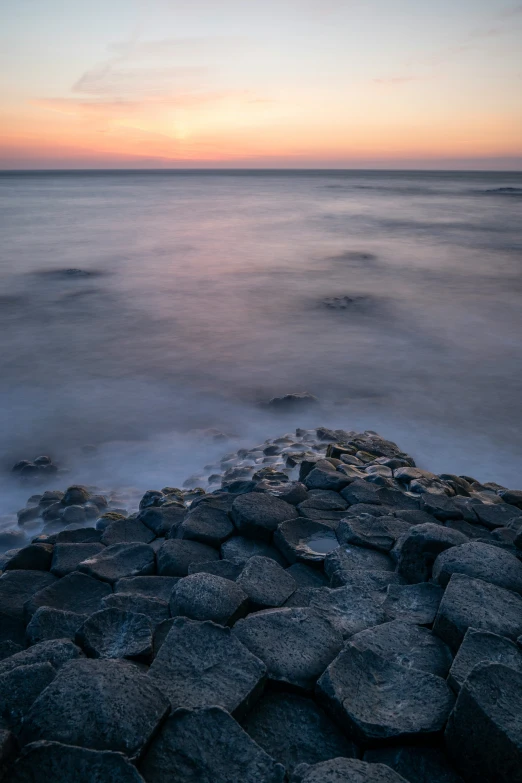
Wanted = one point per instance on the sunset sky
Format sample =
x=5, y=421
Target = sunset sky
x=261, y=83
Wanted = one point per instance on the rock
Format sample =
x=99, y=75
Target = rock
x=100, y=704
x=16, y=587
x=416, y=551
x=82, y=535
x=349, y=609
x=360, y=491
x=325, y=476
x=305, y=540
x=155, y=609
x=206, y=524
x=207, y=745
x=498, y=515
x=239, y=550
x=484, y=732
x=208, y=597
x=67, y=557
x=379, y=533
x=414, y=516
x=108, y=518
x=56, y=652
x=293, y=730
x=377, y=700
x=512, y=496
x=26, y=515
x=257, y=515
x=323, y=500
x=413, y=603
x=73, y=515
x=34, y=557
x=293, y=492
x=150, y=586
x=176, y=555
x=114, y=633
x=481, y=647
x=265, y=583
x=120, y=560
x=295, y=644
x=11, y=539
x=20, y=687
x=292, y=402
x=370, y=581
x=75, y=496
x=440, y=506
x=42, y=762
x=47, y=624
x=8, y=648
x=406, y=644
x=416, y=763
x=356, y=558
x=305, y=576
x=202, y=664
x=127, y=530
x=162, y=521
x=226, y=569
x=472, y=603
x=343, y=770
x=76, y=592
x=479, y=561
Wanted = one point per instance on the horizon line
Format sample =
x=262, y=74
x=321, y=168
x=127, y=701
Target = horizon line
x=261, y=169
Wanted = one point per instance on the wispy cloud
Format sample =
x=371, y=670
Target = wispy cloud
x=110, y=79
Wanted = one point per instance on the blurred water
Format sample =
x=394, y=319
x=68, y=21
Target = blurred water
x=210, y=292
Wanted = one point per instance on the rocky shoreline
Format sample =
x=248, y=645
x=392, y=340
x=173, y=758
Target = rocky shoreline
x=315, y=609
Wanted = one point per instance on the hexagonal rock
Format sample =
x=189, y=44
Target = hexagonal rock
x=379, y=533
x=257, y=514
x=20, y=687
x=413, y=603
x=200, y=664
x=16, y=587
x=378, y=700
x=207, y=745
x=42, y=762
x=266, y=583
x=372, y=581
x=154, y=609
x=349, y=609
x=294, y=730
x=408, y=645
x=482, y=647
x=113, y=633
x=206, y=524
x=484, y=732
x=176, y=555
x=47, y=623
x=104, y=705
x=305, y=540
x=498, y=515
x=208, y=597
x=129, y=530
x=67, y=557
x=343, y=770
x=56, y=652
x=305, y=576
x=416, y=551
x=325, y=476
x=76, y=592
x=472, y=603
x=162, y=521
x=120, y=560
x=479, y=561
x=421, y=763
x=82, y=535
x=239, y=550
x=356, y=558
x=295, y=644
x=226, y=569
x=149, y=586
x=440, y=506
x=34, y=557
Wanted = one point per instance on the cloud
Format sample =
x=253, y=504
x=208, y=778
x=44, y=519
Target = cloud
x=109, y=79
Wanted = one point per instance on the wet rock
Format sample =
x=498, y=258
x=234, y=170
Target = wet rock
x=293, y=730
x=239, y=550
x=343, y=770
x=484, y=732
x=99, y=704
x=498, y=515
x=74, y=515
x=202, y=664
x=295, y=644
x=56, y=652
x=206, y=524
x=127, y=530
x=324, y=500
x=349, y=609
x=306, y=576
x=360, y=491
x=120, y=560
x=370, y=581
x=325, y=476
x=47, y=624
x=292, y=402
x=472, y=603
x=208, y=597
x=176, y=555
x=207, y=745
x=16, y=588
x=416, y=551
x=155, y=609
x=413, y=603
x=378, y=700
x=512, y=496
x=150, y=586
x=481, y=647
x=163, y=520
x=226, y=569
x=83, y=535
x=293, y=492
x=114, y=633
x=416, y=763
x=305, y=540
x=265, y=583
x=356, y=558
x=440, y=506
x=67, y=557
x=26, y=515
x=20, y=687
x=75, y=496
x=152, y=499
x=76, y=592
x=257, y=515
x=42, y=762
x=34, y=557
x=379, y=533
x=479, y=561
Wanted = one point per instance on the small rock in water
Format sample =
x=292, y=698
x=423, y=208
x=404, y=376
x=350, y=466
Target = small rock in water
x=292, y=402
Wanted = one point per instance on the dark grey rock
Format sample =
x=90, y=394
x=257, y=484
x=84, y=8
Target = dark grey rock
x=155, y=609
x=114, y=633
x=372, y=581
x=293, y=492
x=176, y=555
x=294, y=730
x=414, y=516
x=305, y=540
x=16, y=587
x=378, y=700
x=161, y=631
x=207, y=746
x=47, y=624
x=223, y=568
x=162, y=521
x=208, y=597
x=479, y=561
x=440, y=506
x=120, y=560
x=34, y=557
x=152, y=499
x=349, y=609
x=56, y=652
x=512, y=496
x=472, y=603
x=75, y=496
x=8, y=748
x=484, y=732
x=416, y=763
x=292, y=402
x=201, y=664
x=43, y=762
x=295, y=644
x=471, y=530
x=99, y=704
x=306, y=576
x=303, y=596
x=206, y=524
x=67, y=557
x=498, y=515
x=343, y=770
x=20, y=687
x=11, y=539
x=324, y=500
x=73, y=515
x=265, y=583
x=325, y=476
x=8, y=648
x=76, y=592
x=150, y=586
x=360, y=491
x=416, y=551
x=379, y=533
x=356, y=558
x=28, y=514
x=257, y=514
x=127, y=531
x=82, y=535
x=413, y=603
x=482, y=647
x=239, y=550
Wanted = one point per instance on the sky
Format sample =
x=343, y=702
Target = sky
x=261, y=84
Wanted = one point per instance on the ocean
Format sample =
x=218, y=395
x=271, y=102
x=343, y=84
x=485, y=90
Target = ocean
x=138, y=308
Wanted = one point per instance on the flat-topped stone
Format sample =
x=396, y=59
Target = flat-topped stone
x=114, y=633
x=342, y=770
x=16, y=588
x=67, y=557
x=239, y=550
x=257, y=514
x=160, y=587
x=206, y=524
x=76, y=592
x=305, y=540
x=209, y=597
x=48, y=623
x=266, y=583
x=379, y=533
x=413, y=603
x=120, y=560
x=481, y=647
x=349, y=609
x=479, y=561
x=176, y=555
x=416, y=551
